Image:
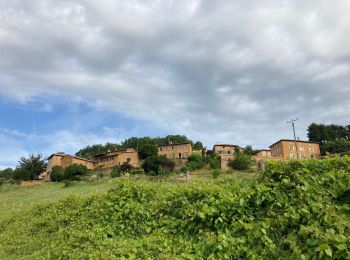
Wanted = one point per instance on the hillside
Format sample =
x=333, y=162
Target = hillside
x=299, y=209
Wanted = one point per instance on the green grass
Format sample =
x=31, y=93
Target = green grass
x=15, y=199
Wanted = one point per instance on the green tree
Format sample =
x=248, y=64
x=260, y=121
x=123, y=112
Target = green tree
x=153, y=164
x=6, y=173
x=249, y=150
x=241, y=161
x=29, y=168
x=214, y=161
x=148, y=150
x=198, y=145
x=195, y=161
x=75, y=171
x=337, y=146
x=57, y=174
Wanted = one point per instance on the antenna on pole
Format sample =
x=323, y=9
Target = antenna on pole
x=295, y=138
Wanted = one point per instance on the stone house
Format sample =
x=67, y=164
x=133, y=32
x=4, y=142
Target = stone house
x=289, y=149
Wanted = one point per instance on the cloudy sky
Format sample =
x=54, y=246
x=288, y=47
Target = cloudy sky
x=74, y=73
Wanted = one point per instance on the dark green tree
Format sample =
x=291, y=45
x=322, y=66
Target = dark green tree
x=197, y=145
x=152, y=165
x=74, y=172
x=148, y=150
x=195, y=162
x=6, y=173
x=57, y=174
x=241, y=162
x=29, y=168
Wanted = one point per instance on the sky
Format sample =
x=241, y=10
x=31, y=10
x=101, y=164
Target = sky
x=74, y=73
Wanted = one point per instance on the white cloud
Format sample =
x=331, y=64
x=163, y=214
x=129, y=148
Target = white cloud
x=228, y=70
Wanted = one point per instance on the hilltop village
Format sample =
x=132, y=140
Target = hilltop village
x=179, y=152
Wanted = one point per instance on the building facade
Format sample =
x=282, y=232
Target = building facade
x=110, y=159
x=176, y=151
x=289, y=149
x=226, y=149
x=105, y=161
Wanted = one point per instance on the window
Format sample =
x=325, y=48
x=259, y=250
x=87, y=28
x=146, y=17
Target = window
x=160, y=149
x=128, y=159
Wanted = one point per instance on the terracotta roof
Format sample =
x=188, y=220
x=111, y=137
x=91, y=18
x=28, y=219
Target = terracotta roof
x=290, y=140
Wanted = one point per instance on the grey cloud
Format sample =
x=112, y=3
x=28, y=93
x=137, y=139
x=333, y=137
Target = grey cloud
x=230, y=71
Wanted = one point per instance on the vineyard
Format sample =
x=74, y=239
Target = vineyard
x=296, y=209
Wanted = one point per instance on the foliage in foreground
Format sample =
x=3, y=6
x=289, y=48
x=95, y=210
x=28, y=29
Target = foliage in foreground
x=296, y=210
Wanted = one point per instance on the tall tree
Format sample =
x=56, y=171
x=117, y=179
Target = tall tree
x=29, y=168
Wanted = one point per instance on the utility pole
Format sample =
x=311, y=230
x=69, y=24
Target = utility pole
x=295, y=138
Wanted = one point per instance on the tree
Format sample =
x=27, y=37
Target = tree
x=249, y=150
x=153, y=164
x=337, y=146
x=75, y=171
x=57, y=173
x=241, y=161
x=148, y=150
x=195, y=161
x=29, y=168
x=197, y=145
x=214, y=161
x=6, y=173
x=332, y=138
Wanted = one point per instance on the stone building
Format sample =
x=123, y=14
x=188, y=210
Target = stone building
x=179, y=151
x=109, y=159
x=288, y=149
x=226, y=149
x=105, y=161
x=227, y=153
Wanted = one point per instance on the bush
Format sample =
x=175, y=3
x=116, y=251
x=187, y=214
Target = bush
x=74, y=172
x=184, y=169
x=241, y=162
x=214, y=161
x=195, y=162
x=57, y=174
x=137, y=171
x=116, y=171
x=215, y=173
x=152, y=164
x=126, y=167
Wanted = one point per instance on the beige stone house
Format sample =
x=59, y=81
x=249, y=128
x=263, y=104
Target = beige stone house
x=227, y=153
x=289, y=149
x=109, y=159
x=179, y=151
x=106, y=160
x=226, y=149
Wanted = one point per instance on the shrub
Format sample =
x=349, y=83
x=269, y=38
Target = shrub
x=57, y=174
x=215, y=173
x=214, y=161
x=75, y=172
x=152, y=164
x=195, y=162
x=241, y=162
x=126, y=167
x=137, y=171
x=116, y=171
x=184, y=169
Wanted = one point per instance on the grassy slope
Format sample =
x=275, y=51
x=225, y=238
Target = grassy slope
x=14, y=199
